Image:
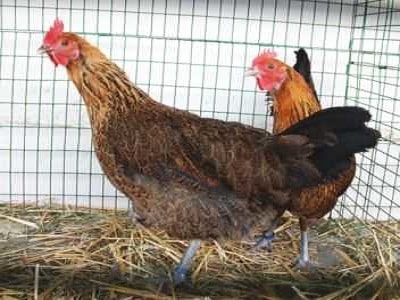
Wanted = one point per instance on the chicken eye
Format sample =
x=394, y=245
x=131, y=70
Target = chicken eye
x=64, y=43
x=270, y=66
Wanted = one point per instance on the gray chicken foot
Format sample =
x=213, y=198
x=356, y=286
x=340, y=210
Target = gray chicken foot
x=180, y=272
x=265, y=242
x=303, y=261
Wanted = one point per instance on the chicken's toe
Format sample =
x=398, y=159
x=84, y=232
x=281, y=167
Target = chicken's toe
x=305, y=264
x=265, y=242
x=179, y=275
x=179, y=279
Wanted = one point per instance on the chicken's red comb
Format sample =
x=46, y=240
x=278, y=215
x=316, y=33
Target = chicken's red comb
x=267, y=54
x=54, y=32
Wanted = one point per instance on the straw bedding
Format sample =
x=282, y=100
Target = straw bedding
x=79, y=254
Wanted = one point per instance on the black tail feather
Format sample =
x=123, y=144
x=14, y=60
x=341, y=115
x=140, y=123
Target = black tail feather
x=336, y=135
x=348, y=144
x=331, y=119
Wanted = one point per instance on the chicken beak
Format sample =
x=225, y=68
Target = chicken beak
x=43, y=49
x=251, y=72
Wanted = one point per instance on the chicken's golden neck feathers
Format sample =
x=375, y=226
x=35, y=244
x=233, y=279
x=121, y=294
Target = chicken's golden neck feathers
x=293, y=102
x=101, y=83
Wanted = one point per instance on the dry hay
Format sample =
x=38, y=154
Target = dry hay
x=54, y=254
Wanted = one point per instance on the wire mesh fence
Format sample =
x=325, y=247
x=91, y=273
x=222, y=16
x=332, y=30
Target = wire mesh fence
x=190, y=54
x=373, y=83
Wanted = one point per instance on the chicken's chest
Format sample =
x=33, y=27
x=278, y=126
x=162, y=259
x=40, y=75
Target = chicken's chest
x=113, y=134
x=132, y=146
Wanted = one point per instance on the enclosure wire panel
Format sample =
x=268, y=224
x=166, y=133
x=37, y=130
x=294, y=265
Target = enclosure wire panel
x=373, y=83
x=190, y=55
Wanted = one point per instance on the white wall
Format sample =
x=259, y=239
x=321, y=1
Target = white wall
x=188, y=55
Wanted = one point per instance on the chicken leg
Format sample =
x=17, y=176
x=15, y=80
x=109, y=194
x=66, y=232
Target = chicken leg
x=180, y=272
x=303, y=261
